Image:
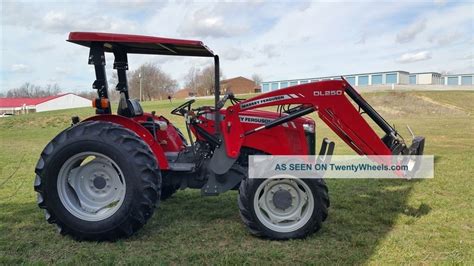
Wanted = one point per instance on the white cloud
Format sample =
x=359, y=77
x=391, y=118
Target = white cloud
x=20, y=68
x=362, y=38
x=414, y=57
x=62, y=71
x=260, y=64
x=55, y=21
x=440, y=2
x=62, y=20
x=468, y=57
x=203, y=23
x=270, y=50
x=408, y=34
x=233, y=53
x=446, y=38
x=277, y=40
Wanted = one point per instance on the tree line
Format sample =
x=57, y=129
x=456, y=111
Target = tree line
x=200, y=82
x=155, y=84
x=29, y=90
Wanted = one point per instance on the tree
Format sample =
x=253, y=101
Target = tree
x=89, y=94
x=206, y=81
x=114, y=95
x=201, y=81
x=156, y=84
x=257, y=79
x=29, y=90
x=191, y=80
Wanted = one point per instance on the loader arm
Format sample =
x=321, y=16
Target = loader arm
x=330, y=100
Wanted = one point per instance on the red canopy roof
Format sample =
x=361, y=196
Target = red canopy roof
x=19, y=102
x=139, y=44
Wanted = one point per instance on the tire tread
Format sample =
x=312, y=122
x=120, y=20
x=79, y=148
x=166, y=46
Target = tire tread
x=139, y=152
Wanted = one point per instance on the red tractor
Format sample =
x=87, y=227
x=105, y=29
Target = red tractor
x=102, y=178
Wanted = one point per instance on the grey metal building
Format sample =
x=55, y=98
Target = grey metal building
x=397, y=77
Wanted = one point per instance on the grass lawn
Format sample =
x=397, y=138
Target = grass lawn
x=370, y=221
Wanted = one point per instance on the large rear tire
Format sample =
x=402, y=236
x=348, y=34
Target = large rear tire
x=283, y=208
x=97, y=181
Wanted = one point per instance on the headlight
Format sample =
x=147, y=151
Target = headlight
x=308, y=127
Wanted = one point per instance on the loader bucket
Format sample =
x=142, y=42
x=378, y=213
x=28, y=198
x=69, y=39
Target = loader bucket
x=417, y=146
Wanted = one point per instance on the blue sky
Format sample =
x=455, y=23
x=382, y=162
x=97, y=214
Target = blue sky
x=277, y=40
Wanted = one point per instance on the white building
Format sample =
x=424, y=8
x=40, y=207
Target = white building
x=364, y=79
x=396, y=77
x=459, y=79
x=426, y=78
x=28, y=105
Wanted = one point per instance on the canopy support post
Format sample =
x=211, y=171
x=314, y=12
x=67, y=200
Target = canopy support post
x=97, y=58
x=217, y=92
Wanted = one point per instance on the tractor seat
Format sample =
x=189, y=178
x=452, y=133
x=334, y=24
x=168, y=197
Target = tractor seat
x=129, y=108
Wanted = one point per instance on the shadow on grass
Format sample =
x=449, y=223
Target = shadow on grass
x=362, y=213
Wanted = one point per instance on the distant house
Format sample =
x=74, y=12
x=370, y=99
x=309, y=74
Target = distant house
x=239, y=85
x=28, y=105
x=183, y=94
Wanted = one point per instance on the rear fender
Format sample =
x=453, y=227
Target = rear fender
x=142, y=132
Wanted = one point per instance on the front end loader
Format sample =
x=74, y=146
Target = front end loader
x=103, y=177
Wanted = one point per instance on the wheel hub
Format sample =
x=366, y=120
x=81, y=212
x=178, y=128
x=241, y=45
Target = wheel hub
x=282, y=199
x=99, y=182
x=91, y=190
x=283, y=204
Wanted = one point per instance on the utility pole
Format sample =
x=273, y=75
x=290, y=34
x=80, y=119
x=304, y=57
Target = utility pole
x=140, y=77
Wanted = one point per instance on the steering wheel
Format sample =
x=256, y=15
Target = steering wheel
x=221, y=102
x=181, y=110
x=204, y=109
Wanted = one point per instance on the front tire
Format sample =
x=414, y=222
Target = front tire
x=283, y=208
x=97, y=181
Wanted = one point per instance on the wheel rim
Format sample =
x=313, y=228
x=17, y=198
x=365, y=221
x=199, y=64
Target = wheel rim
x=283, y=204
x=91, y=186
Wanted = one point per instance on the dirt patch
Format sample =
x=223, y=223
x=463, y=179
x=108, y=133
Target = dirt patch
x=399, y=104
x=446, y=105
x=388, y=110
